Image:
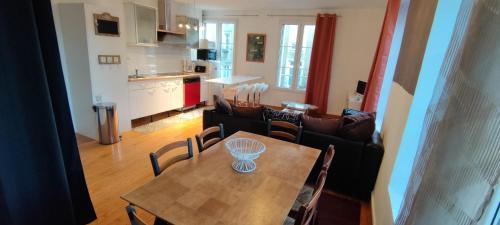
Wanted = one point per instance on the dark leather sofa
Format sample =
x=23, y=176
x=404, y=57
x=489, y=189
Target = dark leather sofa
x=355, y=165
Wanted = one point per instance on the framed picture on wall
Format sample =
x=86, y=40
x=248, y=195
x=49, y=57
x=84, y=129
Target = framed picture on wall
x=256, y=47
x=106, y=25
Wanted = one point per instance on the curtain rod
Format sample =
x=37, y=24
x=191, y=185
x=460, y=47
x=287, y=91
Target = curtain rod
x=272, y=15
x=242, y=15
x=297, y=15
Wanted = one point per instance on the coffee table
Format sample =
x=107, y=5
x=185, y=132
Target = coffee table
x=296, y=106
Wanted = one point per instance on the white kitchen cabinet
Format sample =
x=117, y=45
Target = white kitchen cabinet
x=153, y=97
x=170, y=94
x=141, y=25
x=203, y=88
x=164, y=89
x=142, y=98
x=176, y=99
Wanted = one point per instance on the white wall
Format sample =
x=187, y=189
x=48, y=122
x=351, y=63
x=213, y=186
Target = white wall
x=394, y=123
x=356, y=39
x=89, y=81
x=70, y=25
x=109, y=82
x=57, y=26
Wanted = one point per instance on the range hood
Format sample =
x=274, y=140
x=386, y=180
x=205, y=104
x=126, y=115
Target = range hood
x=165, y=24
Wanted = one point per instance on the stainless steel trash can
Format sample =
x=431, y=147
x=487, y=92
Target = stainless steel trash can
x=107, y=122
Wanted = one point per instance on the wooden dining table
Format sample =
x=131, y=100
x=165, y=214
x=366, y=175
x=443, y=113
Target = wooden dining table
x=206, y=190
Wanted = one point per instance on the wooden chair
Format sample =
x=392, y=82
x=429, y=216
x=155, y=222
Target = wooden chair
x=204, y=144
x=158, y=168
x=308, y=212
x=283, y=134
x=306, y=193
x=327, y=160
x=132, y=215
x=136, y=220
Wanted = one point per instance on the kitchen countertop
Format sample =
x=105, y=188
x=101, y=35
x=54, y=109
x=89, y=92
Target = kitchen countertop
x=161, y=76
x=233, y=80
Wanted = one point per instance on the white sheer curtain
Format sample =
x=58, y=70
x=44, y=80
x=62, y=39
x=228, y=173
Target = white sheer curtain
x=458, y=161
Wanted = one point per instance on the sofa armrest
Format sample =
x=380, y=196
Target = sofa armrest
x=371, y=161
x=375, y=142
x=208, y=117
x=344, y=172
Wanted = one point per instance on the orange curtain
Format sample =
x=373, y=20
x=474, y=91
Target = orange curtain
x=372, y=92
x=318, y=83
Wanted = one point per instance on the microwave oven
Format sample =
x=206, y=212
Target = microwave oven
x=206, y=54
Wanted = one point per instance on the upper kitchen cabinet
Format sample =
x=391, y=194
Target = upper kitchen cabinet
x=141, y=25
x=190, y=27
x=185, y=30
x=178, y=23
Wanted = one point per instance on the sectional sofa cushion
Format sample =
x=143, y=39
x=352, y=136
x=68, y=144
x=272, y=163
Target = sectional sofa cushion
x=329, y=126
x=273, y=114
x=358, y=127
x=248, y=112
x=222, y=105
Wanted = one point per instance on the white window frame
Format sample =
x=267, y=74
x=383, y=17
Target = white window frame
x=300, y=34
x=218, y=38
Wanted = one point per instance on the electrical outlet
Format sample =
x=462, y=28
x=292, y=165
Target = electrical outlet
x=98, y=98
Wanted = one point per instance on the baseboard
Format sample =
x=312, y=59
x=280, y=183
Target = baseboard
x=374, y=217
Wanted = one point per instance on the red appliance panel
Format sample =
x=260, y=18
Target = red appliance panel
x=191, y=94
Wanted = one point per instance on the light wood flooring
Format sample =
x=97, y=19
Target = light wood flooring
x=113, y=170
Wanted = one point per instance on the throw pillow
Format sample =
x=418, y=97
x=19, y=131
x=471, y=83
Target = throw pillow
x=349, y=112
x=222, y=105
x=322, y=125
x=248, y=112
x=358, y=127
x=290, y=117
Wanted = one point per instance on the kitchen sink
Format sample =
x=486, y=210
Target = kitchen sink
x=136, y=77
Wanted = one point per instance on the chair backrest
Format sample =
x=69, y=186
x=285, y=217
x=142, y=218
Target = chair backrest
x=132, y=215
x=204, y=143
x=327, y=160
x=307, y=212
x=282, y=133
x=160, y=167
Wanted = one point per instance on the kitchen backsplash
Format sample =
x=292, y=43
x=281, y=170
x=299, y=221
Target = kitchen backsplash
x=151, y=60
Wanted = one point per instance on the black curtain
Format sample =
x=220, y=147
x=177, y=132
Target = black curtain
x=41, y=175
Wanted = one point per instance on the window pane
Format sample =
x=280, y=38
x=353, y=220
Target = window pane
x=287, y=55
x=226, y=73
x=302, y=79
x=305, y=56
x=226, y=53
x=211, y=32
x=226, y=49
x=308, y=37
x=227, y=33
x=289, y=35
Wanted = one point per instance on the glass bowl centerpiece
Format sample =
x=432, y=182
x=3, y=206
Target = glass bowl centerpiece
x=244, y=151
